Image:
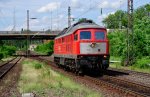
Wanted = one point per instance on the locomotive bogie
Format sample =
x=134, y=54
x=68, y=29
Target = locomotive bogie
x=83, y=62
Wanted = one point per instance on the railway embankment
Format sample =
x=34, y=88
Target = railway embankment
x=39, y=79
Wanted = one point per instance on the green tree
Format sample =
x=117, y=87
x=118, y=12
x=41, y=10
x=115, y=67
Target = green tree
x=117, y=43
x=142, y=36
x=147, y=6
x=85, y=19
x=142, y=12
x=1, y=43
x=112, y=21
x=46, y=48
x=8, y=50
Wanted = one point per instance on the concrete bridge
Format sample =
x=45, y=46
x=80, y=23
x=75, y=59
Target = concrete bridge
x=33, y=35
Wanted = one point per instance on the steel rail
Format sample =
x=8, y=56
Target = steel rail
x=5, y=68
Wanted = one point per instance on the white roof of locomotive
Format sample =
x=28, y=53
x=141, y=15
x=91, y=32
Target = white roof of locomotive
x=73, y=28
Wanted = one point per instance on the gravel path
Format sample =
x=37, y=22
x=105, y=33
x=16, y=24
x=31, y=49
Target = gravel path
x=8, y=85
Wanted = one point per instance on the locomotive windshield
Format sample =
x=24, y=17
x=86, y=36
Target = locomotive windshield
x=99, y=35
x=85, y=35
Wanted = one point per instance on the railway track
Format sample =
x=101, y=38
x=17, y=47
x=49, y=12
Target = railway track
x=105, y=83
x=138, y=77
x=134, y=87
x=127, y=87
x=130, y=72
x=6, y=67
x=7, y=61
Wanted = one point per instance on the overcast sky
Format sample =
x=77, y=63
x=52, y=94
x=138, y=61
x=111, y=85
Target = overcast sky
x=45, y=10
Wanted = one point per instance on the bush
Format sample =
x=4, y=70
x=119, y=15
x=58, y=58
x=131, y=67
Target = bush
x=1, y=55
x=8, y=50
x=142, y=63
x=50, y=52
x=37, y=66
x=46, y=48
x=117, y=43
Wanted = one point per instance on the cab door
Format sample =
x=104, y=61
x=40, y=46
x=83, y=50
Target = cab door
x=76, y=43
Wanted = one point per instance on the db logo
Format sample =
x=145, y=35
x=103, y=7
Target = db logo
x=93, y=45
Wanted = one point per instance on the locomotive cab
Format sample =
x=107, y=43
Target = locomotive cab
x=93, y=50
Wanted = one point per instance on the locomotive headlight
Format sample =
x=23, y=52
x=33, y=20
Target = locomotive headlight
x=105, y=56
x=80, y=56
x=93, y=45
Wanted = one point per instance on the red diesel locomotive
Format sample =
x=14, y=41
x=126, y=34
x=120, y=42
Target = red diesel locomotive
x=82, y=46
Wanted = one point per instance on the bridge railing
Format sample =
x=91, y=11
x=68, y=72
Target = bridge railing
x=30, y=32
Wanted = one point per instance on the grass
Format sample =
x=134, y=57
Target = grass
x=40, y=52
x=118, y=66
x=43, y=81
x=7, y=59
x=141, y=65
x=113, y=58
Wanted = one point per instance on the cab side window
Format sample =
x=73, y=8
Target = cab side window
x=85, y=35
x=75, y=37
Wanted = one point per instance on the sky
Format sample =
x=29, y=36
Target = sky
x=53, y=14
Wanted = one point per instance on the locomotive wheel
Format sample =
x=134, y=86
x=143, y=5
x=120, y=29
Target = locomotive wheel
x=58, y=65
x=68, y=69
x=76, y=71
x=73, y=70
x=65, y=68
x=80, y=73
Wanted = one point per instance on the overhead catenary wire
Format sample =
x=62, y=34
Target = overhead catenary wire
x=90, y=9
